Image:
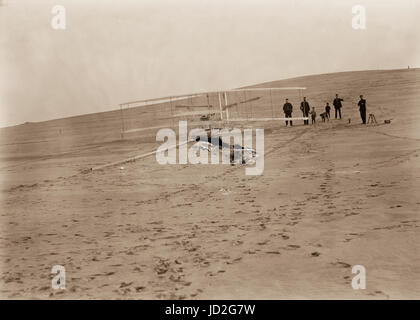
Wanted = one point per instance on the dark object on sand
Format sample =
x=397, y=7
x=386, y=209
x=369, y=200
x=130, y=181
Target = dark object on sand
x=372, y=119
x=387, y=121
x=209, y=140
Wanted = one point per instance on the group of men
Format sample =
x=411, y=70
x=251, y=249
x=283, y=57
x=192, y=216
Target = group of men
x=306, y=110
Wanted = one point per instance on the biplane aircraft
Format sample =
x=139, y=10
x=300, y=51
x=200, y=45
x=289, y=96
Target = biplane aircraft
x=219, y=105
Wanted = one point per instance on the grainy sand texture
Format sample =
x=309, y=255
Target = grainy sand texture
x=332, y=195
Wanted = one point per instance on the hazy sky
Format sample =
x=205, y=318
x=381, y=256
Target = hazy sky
x=117, y=51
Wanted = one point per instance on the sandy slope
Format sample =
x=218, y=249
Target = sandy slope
x=332, y=196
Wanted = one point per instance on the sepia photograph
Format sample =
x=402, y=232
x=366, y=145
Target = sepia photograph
x=209, y=150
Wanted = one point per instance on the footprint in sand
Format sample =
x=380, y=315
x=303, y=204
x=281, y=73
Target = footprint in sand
x=292, y=247
x=341, y=264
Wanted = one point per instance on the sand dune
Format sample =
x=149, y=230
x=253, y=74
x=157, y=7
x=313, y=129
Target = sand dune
x=332, y=196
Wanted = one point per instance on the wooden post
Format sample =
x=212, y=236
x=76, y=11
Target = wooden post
x=272, y=108
x=247, y=113
x=227, y=110
x=220, y=105
x=237, y=105
x=250, y=104
x=172, y=112
x=122, y=122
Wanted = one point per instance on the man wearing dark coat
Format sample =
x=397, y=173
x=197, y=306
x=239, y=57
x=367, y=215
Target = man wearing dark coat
x=288, y=109
x=304, y=107
x=362, y=109
x=337, y=105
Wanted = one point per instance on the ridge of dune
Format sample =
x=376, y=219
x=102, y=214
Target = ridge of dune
x=332, y=196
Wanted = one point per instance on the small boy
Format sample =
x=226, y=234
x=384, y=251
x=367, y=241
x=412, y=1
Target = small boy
x=327, y=110
x=313, y=115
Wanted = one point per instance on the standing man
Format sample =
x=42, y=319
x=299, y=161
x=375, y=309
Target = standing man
x=327, y=110
x=288, y=109
x=304, y=106
x=362, y=109
x=337, y=105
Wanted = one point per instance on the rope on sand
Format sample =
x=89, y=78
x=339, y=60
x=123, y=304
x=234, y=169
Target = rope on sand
x=131, y=159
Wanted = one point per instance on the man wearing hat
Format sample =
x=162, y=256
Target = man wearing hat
x=362, y=109
x=337, y=105
x=304, y=107
x=288, y=109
